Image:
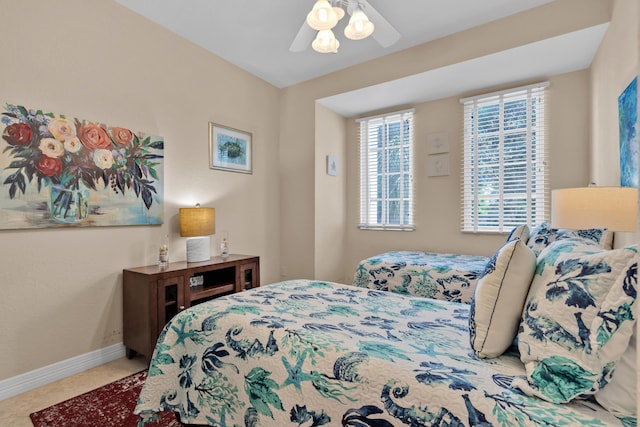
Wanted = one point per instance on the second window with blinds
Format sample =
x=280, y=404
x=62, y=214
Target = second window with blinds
x=386, y=171
x=505, y=170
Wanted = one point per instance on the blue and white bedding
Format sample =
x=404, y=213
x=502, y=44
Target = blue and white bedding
x=308, y=353
x=449, y=277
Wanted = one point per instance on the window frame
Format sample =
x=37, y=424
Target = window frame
x=534, y=199
x=370, y=180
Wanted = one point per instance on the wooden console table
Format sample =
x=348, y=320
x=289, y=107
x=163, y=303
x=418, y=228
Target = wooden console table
x=153, y=295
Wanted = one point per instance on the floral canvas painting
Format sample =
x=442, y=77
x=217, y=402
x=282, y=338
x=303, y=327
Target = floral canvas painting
x=60, y=171
x=628, y=123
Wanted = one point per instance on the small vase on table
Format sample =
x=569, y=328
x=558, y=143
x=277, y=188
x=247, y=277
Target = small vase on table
x=163, y=253
x=224, y=247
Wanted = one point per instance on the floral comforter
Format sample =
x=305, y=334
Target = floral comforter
x=305, y=353
x=449, y=277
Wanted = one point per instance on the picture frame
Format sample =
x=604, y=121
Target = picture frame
x=437, y=143
x=60, y=171
x=230, y=149
x=332, y=165
x=438, y=165
x=628, y=126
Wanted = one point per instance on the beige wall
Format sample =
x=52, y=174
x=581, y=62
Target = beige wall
x=298, y=252
x=438, y=198
x=61, y=288
x=613, y=68
x=330, y=196
x=297, y=183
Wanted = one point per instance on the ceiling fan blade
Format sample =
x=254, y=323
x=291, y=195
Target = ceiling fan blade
x=384, y=32
x=303, y=39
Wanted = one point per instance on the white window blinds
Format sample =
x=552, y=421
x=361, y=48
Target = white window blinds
x=505, y=169
x=386, y=171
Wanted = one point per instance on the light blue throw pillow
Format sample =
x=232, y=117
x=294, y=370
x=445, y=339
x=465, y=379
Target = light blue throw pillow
x=577, y=320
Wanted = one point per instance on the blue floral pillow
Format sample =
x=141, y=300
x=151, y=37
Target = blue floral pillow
x=577, y=320
x=601, y=236
x=543, y=235
x=520, y=232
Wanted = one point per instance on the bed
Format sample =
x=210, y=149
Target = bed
x=452, y=277
x=310, y=353
x=449, y=277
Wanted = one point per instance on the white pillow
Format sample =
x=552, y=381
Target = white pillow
x=619, y=396
x=578, y=319
x=499, y=298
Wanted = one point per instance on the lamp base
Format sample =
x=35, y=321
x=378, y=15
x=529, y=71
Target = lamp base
x=198, y=249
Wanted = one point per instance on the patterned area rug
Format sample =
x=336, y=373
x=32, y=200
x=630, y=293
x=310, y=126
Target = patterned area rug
x=108, y=406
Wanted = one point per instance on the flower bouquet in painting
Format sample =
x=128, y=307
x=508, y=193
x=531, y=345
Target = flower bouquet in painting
x=78, y=162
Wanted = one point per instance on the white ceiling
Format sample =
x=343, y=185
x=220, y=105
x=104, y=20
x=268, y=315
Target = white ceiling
x=540, y=60
x=255, y=35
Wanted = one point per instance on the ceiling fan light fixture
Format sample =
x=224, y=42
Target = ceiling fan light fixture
x=325, y=42
x=323, y=16
x=359, y=26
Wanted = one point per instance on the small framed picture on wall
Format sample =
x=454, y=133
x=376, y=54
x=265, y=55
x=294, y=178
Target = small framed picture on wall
x=437, y=143
x=438, y=165
x=229, y=149
x=332, y=165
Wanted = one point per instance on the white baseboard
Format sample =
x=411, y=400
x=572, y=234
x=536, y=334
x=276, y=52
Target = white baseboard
x=56, y=371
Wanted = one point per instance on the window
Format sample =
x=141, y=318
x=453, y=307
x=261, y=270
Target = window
x=504, y=164
x=386, y=171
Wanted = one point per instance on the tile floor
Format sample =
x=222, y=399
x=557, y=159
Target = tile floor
x=14, y=412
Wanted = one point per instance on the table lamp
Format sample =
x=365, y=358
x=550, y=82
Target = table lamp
x=197, y=224
x=614, y=208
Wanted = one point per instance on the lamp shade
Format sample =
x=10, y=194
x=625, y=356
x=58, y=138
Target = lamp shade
x=323, y=16
x=359, y=26
x=197, y=221
x=325, y=42
x=614, y=208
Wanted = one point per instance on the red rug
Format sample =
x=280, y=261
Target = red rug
x=109, y=406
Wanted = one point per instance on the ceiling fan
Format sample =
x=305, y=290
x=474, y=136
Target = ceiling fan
x=383, y=31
